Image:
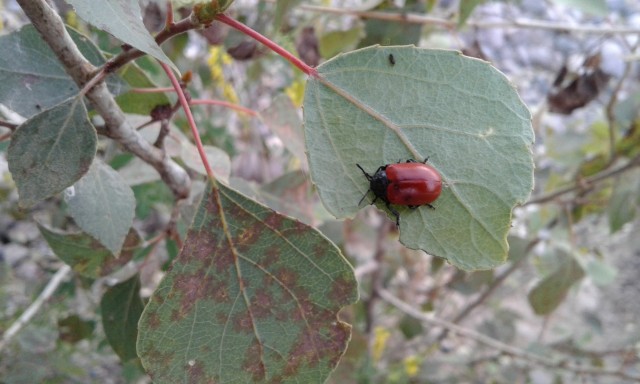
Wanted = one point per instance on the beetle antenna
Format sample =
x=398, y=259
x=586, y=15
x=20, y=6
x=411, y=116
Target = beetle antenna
x=368, y=176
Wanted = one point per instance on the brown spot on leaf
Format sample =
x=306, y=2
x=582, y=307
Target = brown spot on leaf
x=176, y=315
x=242, y=322
x=203, y=246
x=247, y=238
x=224, y=260
x=314, y=345
x=261, y=305
x=154, y=321
x=253, y=362
x=271, y=256
x=195, y=371
x=158, y=358
x=220, y=292
x=287, y=277
x=341, y=290
x=192, y=288
x=274, y=220
x=319, y=250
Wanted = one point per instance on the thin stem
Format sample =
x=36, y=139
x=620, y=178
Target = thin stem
x=131, y=54
x=587, y=181
x=9, y=125
x=192, y=124
x=413, y=18
x=31, y=311
x=498, y=345
x=52, y=30
x=152, y=90
x=268, y=43
x=97, y=78
x=224, y=104
x=169, y=21
x=490, y=290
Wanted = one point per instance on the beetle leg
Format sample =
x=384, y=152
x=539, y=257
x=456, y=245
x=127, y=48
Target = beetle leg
x=413, y=206
x=395, y=213
x=365, y=195
x=431, y=206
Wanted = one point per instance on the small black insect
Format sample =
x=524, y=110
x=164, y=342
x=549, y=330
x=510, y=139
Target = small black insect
x=392, y=60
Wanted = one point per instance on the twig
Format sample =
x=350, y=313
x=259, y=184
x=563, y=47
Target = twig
x=131, y=54
x=413, y=18
x=269, y=44
x=611, y=117
x=376, y=280
x=9, y=125
x=192, y=124
x=224, y=104
x=489, y=291
x=500, y=346
x=152, y=90
x=31, y=311
x=51, y=28
x=589, y=180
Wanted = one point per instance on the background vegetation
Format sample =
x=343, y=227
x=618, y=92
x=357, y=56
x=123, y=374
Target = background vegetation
x=562, y=309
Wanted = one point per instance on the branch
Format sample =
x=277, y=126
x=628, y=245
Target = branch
x=414, y=18
x=500, y=346
x=51, y=27
x=184, y=103
x=269, y=44
x=170, y=31
x=28, y=314
x=466, y=311
x=8, y=125
x=586, y=181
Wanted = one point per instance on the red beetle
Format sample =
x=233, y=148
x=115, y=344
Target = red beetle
x=412, y=184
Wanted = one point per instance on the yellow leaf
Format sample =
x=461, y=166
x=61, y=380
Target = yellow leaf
x=379, y=342
x=296, y=92
x=411, y=365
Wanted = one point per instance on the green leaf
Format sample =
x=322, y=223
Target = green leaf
x=334, y=42
x=51, y=151
x=72, y=329
x=291, y=194
x=465, y=10
x=252, y=297
x=390, y=32
x=218, y=159
x=549, y=293
x=86, y=255
x=518, y=248
x=122, y=19
x=139, y=103
x=624, y=202
x=151, y=196
x=283, y=120
x=32, y=78
x=601, y=273
x=410, y=327
x=103, y=205
x=460, y=112
x=283, y=7
x=121, y=307
x=594, y=7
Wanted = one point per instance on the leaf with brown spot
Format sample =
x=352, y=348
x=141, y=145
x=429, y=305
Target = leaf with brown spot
x=252, y=297
x=86, y=255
